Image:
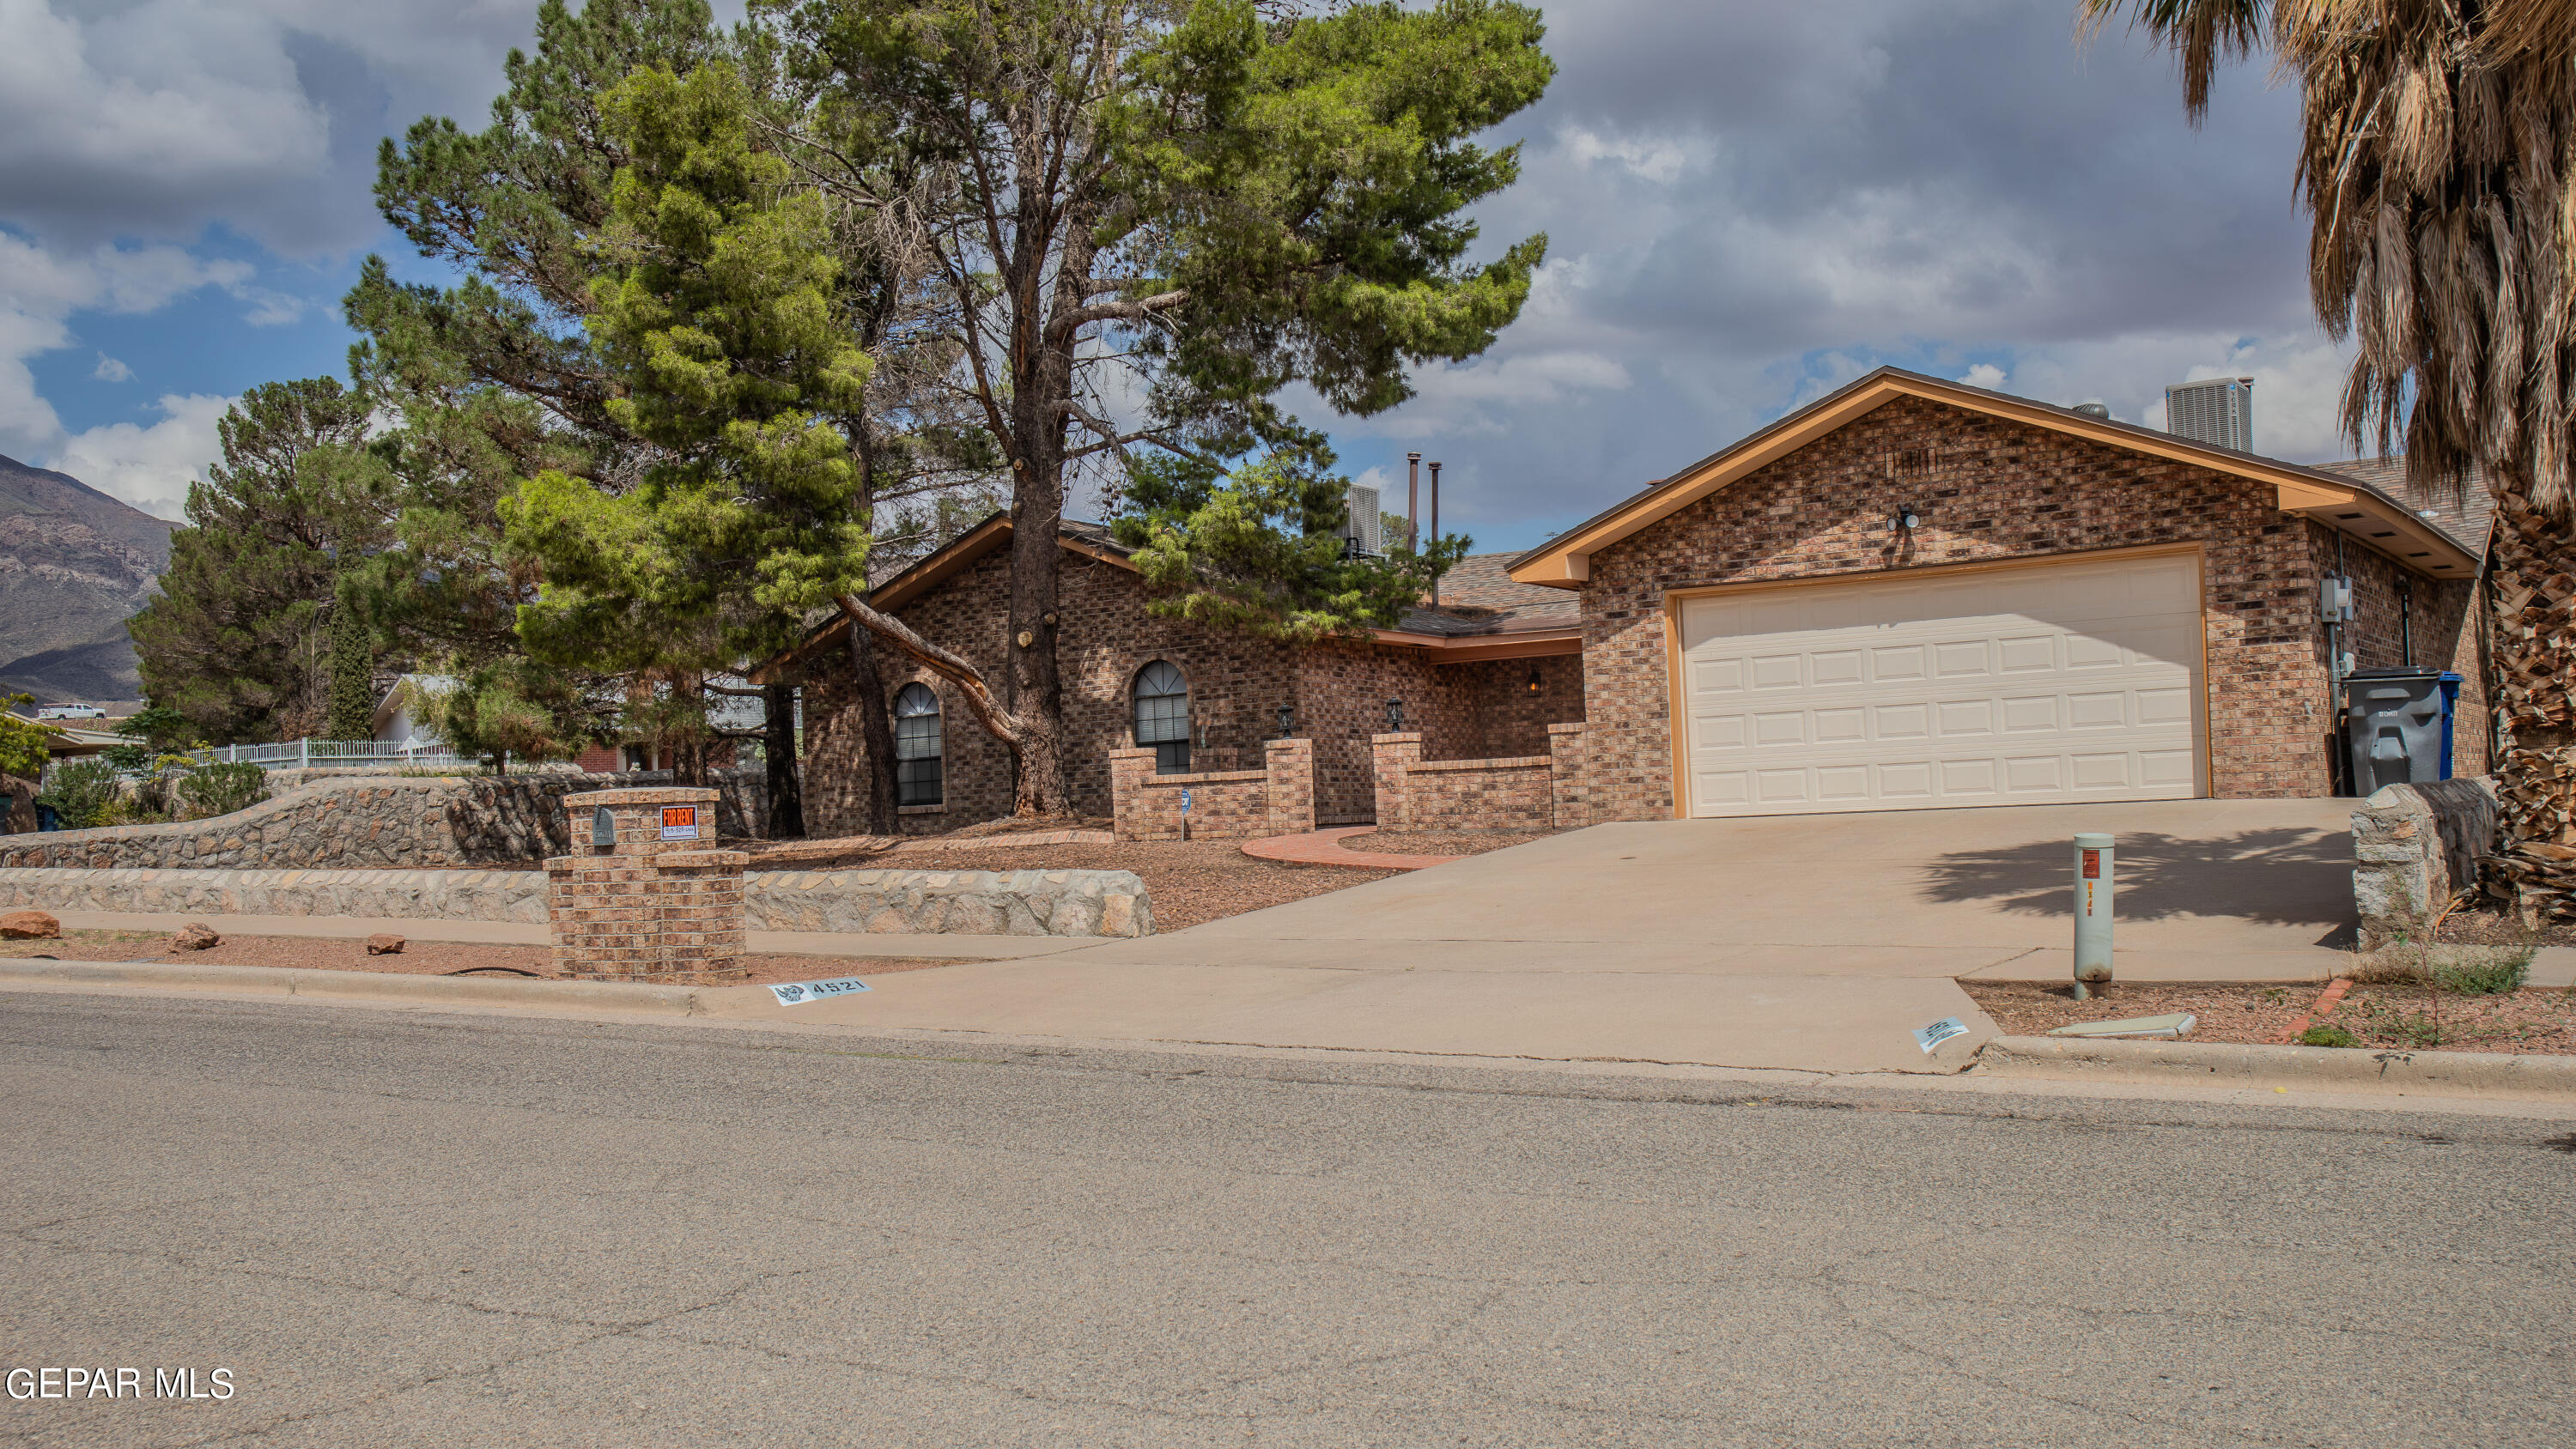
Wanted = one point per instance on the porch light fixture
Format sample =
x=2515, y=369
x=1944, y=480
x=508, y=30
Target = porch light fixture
x=1394, y=716
x=1907, y=518
x=1533, y=679
x=1287, y=720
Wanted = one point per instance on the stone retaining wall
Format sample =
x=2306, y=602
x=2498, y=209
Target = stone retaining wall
x=338, y=820
x=2414, y=848
x=924, y=902
x=369, y=821
x=1529, y=792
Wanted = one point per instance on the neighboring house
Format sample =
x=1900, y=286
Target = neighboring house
x=1483, y=674
x=2081, y=610
x=398, y=714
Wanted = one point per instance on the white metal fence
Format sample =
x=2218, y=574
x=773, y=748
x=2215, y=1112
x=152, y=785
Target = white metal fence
x=345, y=754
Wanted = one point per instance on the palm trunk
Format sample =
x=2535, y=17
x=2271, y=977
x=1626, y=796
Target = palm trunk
x=2534, y=600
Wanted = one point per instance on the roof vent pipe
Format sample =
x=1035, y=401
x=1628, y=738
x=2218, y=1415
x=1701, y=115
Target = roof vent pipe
x=1413, y=501
x=1435, y=525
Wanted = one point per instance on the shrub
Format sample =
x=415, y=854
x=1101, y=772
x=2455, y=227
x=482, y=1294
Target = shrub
x=2484, y=973
x=82, y=792
x=2328, y=1036
x=222, y=789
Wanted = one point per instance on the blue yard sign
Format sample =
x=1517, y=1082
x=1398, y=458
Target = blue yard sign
x=1185, y=800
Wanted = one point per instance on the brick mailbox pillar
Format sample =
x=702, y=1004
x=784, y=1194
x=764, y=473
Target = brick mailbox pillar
x=645, y=894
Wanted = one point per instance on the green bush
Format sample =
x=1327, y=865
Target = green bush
x=2494, y=973
x=2328, y=1036
x=82, y=792
x=222, y=789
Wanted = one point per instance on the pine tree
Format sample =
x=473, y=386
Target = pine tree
x=237, y=640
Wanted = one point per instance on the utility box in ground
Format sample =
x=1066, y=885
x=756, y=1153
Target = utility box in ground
x=2397, y=726
x=645, y=894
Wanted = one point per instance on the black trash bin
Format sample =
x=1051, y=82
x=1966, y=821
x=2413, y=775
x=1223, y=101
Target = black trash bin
x=2397, y=726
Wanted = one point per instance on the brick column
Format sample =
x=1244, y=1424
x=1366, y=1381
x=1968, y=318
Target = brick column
x=1127, y=771
x=1394, y=757
x=1565, y=775
x=1291, y=768
x=659, y=903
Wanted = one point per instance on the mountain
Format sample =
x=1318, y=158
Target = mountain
x=74, y=566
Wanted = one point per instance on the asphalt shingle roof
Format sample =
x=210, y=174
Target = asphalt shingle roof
x=2465, y=513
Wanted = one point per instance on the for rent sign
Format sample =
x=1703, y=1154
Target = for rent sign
x=680, y=822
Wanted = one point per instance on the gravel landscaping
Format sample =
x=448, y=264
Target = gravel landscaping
x=417, y=958
x=2402, y=1016
x=2494, y=928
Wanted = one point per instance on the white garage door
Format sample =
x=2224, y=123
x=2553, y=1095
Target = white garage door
x=2016, y=686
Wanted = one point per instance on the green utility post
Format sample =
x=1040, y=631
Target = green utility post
x=2092, y=914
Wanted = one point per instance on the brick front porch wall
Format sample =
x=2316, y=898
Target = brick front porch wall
x=1529, y=792
x=1278, y=799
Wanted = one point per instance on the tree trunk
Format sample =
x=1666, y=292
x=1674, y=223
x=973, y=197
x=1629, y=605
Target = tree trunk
x=778, y=751
x=2534, y=596
x=876, y=735
x=1033, y=685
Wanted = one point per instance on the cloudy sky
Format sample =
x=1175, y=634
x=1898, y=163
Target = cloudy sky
x=1747, y=204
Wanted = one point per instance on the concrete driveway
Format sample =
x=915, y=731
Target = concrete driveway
x=1816, y=942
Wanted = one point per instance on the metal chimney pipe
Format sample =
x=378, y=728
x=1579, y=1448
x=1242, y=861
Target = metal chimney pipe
x=1413, y=501
x=1435, y=524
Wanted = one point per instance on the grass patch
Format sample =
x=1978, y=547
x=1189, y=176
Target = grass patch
x=2482, y=970
x=2328, y=1036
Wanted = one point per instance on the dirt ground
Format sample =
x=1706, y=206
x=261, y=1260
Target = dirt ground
x=2494, y=928
x=418, y=958
x=2403, y=1016
x=1442, y=842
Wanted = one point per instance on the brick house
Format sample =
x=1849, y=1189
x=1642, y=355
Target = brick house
x=1914, y=593
x=1482, y=673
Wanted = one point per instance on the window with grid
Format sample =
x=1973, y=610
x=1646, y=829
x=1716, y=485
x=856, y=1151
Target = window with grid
x=1163, y=717
x=917, y=778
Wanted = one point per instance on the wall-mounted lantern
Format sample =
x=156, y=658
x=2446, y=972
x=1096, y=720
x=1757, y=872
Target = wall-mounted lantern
x=1287, y=720
x=1394, y=716
x=1533, y=679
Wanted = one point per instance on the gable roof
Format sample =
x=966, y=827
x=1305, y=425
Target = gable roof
x=1483, y=612
x=2354, y=504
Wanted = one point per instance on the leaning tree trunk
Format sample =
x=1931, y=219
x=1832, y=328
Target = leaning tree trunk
x=2535, y=665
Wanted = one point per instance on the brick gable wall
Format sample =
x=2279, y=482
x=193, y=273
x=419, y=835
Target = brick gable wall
x=1996, y=489
x=2444, y=625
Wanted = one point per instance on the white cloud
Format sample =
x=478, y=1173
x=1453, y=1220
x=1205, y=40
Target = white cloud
x=1985, y=375
x=41, y=289
x=148, y=466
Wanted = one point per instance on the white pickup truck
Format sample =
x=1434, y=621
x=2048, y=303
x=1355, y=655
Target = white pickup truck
x=70, y=711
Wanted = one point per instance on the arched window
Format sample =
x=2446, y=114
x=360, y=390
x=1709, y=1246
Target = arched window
x=916, y=747
x=1163, y=717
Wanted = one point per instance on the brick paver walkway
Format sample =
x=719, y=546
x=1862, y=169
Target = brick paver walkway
x=1324, y=847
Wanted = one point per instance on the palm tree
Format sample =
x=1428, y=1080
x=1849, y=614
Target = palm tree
x=2435, y=146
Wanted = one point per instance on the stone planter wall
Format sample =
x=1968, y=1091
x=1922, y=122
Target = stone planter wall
x=2414, y=848
x=910, y=902
x=377, y=821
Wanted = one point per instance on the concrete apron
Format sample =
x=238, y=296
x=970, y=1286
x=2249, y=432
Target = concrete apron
x=1814, y=943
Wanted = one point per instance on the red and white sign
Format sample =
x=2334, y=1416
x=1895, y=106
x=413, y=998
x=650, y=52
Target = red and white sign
x=679, y=822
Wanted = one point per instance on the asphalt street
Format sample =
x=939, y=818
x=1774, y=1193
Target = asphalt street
x=480, y=1230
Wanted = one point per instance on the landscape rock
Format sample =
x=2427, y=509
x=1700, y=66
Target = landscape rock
x=384, y=944
x=29, y=926
x=195, y=937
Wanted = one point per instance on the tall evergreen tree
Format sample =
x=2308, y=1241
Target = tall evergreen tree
x=237, y=640
x=1174, y=187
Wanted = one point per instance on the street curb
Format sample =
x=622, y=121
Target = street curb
x=361, y=985
x=2419, y=1073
